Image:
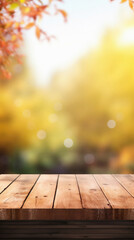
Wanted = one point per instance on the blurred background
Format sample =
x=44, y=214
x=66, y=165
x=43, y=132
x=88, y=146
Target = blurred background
x=69, y=108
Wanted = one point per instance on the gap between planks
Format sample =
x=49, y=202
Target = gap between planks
x=55, y=191
x=117, y=177
x=102, y=191
x=11, y=181
x=102, y=188
x=30, y=191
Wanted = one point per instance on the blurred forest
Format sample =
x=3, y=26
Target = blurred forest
x=81, y=123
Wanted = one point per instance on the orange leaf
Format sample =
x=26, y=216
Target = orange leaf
x=29, y=25
x=64, y=13
x=131, y=4
x=37, y=31
x=122, y=1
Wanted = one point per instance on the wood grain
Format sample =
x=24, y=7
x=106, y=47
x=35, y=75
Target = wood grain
x=91, y=194
x=67, y=195
x=118, y=197
x=127, y=181
x=5, y=180
x=42, y=195
x=15, y=194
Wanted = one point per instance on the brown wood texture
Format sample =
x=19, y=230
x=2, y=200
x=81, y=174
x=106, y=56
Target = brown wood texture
x=15, y=194
x=118, y=197
x=67, y=230
x=127, y=181
x=67, y=197
x=42, y=195
x=6, y=180
x=91, y=194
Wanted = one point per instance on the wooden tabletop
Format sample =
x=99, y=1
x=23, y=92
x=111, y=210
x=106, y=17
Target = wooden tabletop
x=66, y=197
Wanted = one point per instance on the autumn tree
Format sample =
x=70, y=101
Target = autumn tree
x=16, y=16
x=19, y=15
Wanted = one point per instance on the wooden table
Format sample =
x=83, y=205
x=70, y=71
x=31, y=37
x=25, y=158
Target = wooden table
x=67, y=197
x=93, y=200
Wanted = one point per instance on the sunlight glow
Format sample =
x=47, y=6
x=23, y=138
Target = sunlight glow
x=127, y=37
x=53, y=117
x=68, y=142
x=111, y=124
x=41, y=134
x=87, y=21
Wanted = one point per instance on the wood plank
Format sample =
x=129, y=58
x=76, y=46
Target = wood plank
x=42, y=195
x=127, y=181
x=6, y=179
x=91, y=194
x=15, y=194
x=67, y=195
x=118, y=197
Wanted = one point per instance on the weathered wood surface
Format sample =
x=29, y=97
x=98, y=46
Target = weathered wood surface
x=67, y=197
